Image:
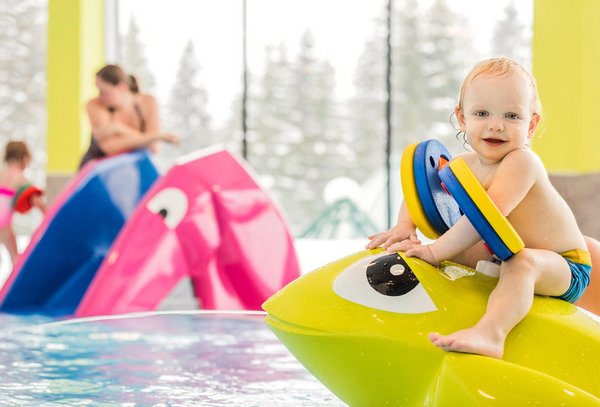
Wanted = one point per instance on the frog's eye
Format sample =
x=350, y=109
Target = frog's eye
x=385, y=282
x=171, y=204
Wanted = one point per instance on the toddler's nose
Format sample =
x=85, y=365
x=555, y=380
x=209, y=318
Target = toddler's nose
x=495, y=124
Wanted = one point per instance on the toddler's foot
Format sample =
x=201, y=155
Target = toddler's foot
x=469, y=340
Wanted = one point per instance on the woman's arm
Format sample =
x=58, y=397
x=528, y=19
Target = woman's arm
x=127, y=138
x=114, y=137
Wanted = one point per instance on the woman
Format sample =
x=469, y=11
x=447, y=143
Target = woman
x=122, y=118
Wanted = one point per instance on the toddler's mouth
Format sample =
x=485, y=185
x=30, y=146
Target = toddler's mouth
x=493, y=141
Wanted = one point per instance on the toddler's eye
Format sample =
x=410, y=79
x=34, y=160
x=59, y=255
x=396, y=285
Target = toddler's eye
x=512, y=116
x=481, y=113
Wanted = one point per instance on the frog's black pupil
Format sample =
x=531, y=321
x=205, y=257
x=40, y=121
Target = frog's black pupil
x=381, y=278
x=163, y=212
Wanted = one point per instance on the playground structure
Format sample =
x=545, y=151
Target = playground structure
x=121, y=240
x=67, y=248
x=206, y=218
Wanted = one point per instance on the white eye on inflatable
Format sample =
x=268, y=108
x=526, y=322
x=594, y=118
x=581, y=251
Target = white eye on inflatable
x=384, y=282
x=171, y=204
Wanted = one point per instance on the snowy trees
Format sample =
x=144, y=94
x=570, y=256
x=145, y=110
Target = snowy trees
x=298, y=141
x=301, y=132
x=511, y=38
x=428, y=48
x=187, y=111
x=23, y=87
x=133, y=57
x=448, y=51
x=22, y=78
x=366, y=110
x=301, y=135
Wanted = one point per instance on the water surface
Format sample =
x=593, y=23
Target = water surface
x=165, y=359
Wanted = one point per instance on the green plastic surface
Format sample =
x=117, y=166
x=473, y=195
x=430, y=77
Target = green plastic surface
x=370, y=357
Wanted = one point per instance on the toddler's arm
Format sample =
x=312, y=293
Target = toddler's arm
x=456, y=240
x=39, y=201
x=515, y=176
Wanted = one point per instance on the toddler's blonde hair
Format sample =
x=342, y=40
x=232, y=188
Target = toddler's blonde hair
x=498, y=67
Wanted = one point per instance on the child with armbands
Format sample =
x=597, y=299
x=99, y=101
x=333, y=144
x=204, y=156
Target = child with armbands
x=16, y=192
x=499, y=111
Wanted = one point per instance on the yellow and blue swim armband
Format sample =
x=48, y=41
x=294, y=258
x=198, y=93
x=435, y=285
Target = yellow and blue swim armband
x=430, y=206
x=495, y=230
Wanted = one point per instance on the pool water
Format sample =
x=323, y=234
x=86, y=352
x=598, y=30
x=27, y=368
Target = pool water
x=158, y=359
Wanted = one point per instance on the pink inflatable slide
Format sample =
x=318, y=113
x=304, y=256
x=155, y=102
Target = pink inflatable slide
x=206, y=219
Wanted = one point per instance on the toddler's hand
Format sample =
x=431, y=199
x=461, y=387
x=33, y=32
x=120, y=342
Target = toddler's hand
x=412, y=249
x=396, y=234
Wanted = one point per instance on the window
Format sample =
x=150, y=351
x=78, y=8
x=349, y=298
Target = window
x=23, y=28
x=316, y=94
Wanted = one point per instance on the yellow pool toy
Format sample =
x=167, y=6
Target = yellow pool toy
x=360, y=326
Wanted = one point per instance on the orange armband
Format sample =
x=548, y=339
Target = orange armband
x=22, y=202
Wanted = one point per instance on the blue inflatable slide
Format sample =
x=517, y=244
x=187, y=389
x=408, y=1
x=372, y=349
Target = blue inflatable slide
x=65, y=252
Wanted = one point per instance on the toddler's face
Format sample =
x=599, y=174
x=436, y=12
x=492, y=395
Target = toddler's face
x=497, y=115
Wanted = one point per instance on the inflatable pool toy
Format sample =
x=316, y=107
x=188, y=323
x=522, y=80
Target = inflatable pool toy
x=51, y=276
x=206, y=219
x=430, y=206
x=360, y=326
x=65, y=251
x=495, y=230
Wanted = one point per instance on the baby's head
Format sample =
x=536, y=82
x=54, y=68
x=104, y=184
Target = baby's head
x=501, y=67
x=17, y=152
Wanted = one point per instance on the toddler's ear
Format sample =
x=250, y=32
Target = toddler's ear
x=460, y=116
x=533, y=124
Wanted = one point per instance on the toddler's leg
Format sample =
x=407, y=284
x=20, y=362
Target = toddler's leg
x=529, y=271
x=7, y=236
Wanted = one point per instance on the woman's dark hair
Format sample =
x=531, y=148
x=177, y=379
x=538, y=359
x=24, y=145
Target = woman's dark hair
x=114, y=75
x=133, y=84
